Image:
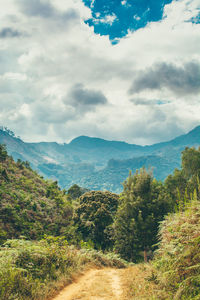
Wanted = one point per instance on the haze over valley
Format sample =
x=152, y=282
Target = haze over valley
x=99, y=164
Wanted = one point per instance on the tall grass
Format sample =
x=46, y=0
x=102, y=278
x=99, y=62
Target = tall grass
x=178, y=258
x=35, y=270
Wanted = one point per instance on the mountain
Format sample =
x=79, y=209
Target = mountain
x=97, y=163
x=96, y=143
x=116, y=171
x=19, y=149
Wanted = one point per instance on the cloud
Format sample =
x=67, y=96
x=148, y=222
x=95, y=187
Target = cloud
x=8, y=32
x=52, y=112
x=80, y=96
x=39, y=95
x=125, y=3
x=78, y=102
x=184, y=80
x=107, y=19
x=45, y=9
x=37, y=8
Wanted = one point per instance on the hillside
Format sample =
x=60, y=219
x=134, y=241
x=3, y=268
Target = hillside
x=112, y=176
x=30, y=206
x=91, y=162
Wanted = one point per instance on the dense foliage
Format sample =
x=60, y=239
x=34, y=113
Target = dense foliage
x=143, y=204
x=178, y=259
x=34, y=270
x=94, y=215
x=29, y=205
x=184, y=181
x=76, y=191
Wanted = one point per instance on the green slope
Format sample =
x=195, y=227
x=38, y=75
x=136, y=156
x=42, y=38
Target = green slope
x=29, y=205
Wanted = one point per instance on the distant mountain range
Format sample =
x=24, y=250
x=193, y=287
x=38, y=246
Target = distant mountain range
x=97, y=163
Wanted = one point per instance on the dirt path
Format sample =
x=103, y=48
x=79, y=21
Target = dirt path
x=95, y=285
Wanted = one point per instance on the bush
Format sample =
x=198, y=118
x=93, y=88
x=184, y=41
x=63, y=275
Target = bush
x=178, y=258
x=29, y=269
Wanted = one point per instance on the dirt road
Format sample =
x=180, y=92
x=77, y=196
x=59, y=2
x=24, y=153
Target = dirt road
x=95, y=285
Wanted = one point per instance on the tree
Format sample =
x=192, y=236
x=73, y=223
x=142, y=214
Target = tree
x=176, y=184
x=191, y=162
x=94, y=215
x=183, y=182
x=75, y=191
x=143, y=204
x=3, y=153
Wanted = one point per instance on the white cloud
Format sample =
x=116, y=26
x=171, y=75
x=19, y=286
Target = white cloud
x=38, y=71
x=108, y=19
x=136, y=17
x=125, y=3
x=14, y=76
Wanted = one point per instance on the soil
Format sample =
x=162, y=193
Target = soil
x=95, y=285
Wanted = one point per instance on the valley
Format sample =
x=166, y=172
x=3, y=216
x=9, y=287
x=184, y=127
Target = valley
x=98, y=164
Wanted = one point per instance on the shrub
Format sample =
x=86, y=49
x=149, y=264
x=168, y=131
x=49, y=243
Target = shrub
x=178, y=258
x=31, y=270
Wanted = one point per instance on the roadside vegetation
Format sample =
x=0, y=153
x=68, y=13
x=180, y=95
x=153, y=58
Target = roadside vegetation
x=36, y=270
x=177, y=260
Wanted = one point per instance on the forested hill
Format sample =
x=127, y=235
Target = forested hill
x=30, y=206
x=96, y=163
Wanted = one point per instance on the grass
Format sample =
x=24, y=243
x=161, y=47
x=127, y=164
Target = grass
x=36, y=270
x=174, y=272
x=138, y=283
x=178, y=259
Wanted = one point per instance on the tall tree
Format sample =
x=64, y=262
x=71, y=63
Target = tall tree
x=183, y=182
x=75, y=191
x=143, y=204
x=94, y=215
x=3, y=153
x=191, y=162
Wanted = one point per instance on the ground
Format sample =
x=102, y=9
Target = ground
x=111, y=284
x=95, y=285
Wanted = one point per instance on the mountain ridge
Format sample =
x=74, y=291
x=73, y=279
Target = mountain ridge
x=96, y=163
x=194, y=131
x=81, y=138
x=99, y=142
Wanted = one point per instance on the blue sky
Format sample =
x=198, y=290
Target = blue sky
x=127, y=15
x=118, y=70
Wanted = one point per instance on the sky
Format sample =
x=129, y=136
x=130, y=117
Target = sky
x=125, y=70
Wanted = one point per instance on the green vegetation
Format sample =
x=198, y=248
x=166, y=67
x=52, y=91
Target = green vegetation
x=36, y=270
x=184, y=181
x=48, y=234
x=174, y=272
x=30, y=206
x=94, y=215
x=76, y=191
x=143, y=204
x=177, y=261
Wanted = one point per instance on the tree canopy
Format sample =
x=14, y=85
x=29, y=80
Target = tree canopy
x=143, y=204
x=183, y=182
x=93, y=216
